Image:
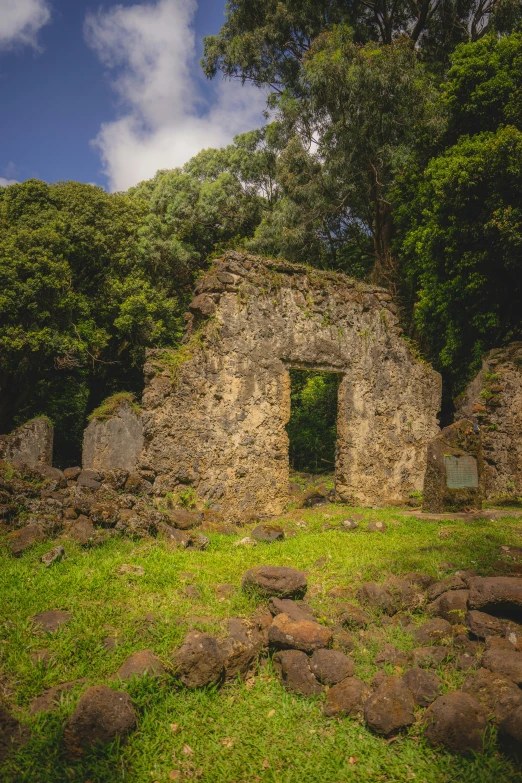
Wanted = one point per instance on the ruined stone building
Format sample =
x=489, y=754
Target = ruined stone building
x=215, y=410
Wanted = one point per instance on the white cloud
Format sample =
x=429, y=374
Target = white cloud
x=150, y=48
x=21, y=20
x=5, y=182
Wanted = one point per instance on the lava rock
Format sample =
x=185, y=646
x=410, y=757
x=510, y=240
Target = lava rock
x=81, y=530
x=391, y=655
x=420, y=580
x=390, y=708
x=53, y=556
x=268, y=533
x=294, y=671
x=51, y=621
x=199, y=661
x=241, y=648
x=452, y=606
x=466, y=662
x=140, y=663
x=451, y=583
x=354, y=617
x=500, y=595
x=483, y=625
x=276, y=581
x=347, y=698
x=349, y=524
x=51, y=697
x=304, y=635
x=296, y=611
x=425, y=686
x=456, y=722
x=71, y=474
x=331, y=666
x=433, y=632
x=507, y=663
x=184, y=520
x=90, y=479
x=510, y=733
x=100, y=716
x=497, y=695
x=377, y=527
x=405, y=595
x=20, y=540
x=372, y=595
x=41, y=658
x=430, y=656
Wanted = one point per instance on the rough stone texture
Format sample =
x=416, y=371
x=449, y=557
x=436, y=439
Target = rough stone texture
x=139, y=663
x=507, y=663
x=303, y=635
x=494, y=398
x=510, y=733
x=184, y=520
x=425, y=686
x=483, y=625
x=101, y=715
x=353, y=616
x=276, y=581
x=54, y=555
x=51, y=621
x=296, y=611
x=497, y=594
x=241, y=647
x=51, y=697
x=372, y=595
x=390, y=708
x=390, y=655
x=293, y=667
x=451, y=583
x=115, y=442
x=215, y=411
x=331, y=666
x=433, y=632
x=81, y=530
x=497, y=695
x=376, y=527
x=347, y=698
x=457, y=440
x=430, y=656
x=199, y=661
x=31, y=443
x=452, y=606
x=456, y=722
x=12, y=733
x=20, y=540
x=268, y=533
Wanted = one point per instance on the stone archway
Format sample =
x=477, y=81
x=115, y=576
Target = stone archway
x=215, y=410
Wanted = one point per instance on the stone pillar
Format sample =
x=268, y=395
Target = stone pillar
x=31, y=443
x=115, y=442
x=454, y=472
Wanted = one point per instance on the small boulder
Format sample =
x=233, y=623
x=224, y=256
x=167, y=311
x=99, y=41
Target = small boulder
x=140, y=663
x=342, y=640
x=184, y=520
x=430, y=656
x=390, y=708
x=331, y=666
x=377, y=527
x=296, y=611
x=510, y=733
x=376, y=597
x=241, y=648
x=353, y=616
x=199, y=661
x=100, y=716
x=268, y=533
x=483, y=625
x=425, y=686
x=500, y=595
x=81, y=530
x=456, y=722
x=53, y=556
x=276, y=580
x=405, y=595
x=20, y=540
x=180, y=538
x=51, y=697
x=12, y=734
x=51, y=621
x=390, y=655
x=451, y=583
x=466, y=662
x=433, y=632
x=497, y=695
x=293, y=668
x=347, y=698
x=507, y=663
x=452, y=606
x=71, y=474
x=304, y=635
x=348, y=524
x=420, y=580
x=90, y=479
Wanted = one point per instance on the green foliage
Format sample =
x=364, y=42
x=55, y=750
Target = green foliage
x=312, y=429
x=111, y=405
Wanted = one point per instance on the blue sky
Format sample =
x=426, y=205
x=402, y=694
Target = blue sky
x=108, y=93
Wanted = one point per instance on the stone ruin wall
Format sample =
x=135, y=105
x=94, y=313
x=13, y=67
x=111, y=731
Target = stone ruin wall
x=215, y=411
x=494, y=400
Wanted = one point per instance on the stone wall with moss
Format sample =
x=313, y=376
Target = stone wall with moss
x=215, y=411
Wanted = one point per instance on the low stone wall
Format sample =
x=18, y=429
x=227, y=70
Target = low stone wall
x=113, y=443
x=31, y=443
x=454, y=472
x=215, y=411
x=494, y=400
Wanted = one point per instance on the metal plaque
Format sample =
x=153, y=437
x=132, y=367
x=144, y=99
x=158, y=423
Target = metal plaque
x=461, y=472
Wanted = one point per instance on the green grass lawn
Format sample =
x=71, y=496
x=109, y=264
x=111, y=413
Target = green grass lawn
x=245, y=732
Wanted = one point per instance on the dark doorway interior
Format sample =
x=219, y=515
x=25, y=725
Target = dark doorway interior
x=312, y=428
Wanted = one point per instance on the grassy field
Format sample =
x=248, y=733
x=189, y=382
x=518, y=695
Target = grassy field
x=246, y=732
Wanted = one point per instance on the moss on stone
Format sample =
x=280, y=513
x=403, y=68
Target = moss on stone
x=110, y=406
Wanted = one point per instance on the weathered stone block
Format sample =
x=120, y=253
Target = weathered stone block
x=454, y=470
x=215, y=411
x=31, y=443
x=113, y=443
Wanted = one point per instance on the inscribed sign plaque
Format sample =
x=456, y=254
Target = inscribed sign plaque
x=461, y=472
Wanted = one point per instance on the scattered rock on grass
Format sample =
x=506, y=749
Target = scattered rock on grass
x=51, y=621
x=241, y=648
x=41, y=658
x=296, y=611
x=510, y=733
x=331, y=666
x=456, y=722
x=276, y=581
x=81, y=530
x=20, y=540
x=425, y=686
x=377, y=527
x=199, y=661
x=247, y=541
x=347, y=698
x=507, y=663
x=497, y=695
x=53, y=556
x=353, y=616
x=433, y=632
x=390, y=708
x=483, y=625
x=497, y=595
x=303, y=635
x=349, y=524
x=51, y=697
x=294, y=671
x=430, y=656
x=184, y=520
x=101, y=715
x=268, y=533
x=420, y=580
x=452, y=606
x=451, y=583
x=372, y=595
x=140, y=663
x=390, y=655
x=12, y=733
